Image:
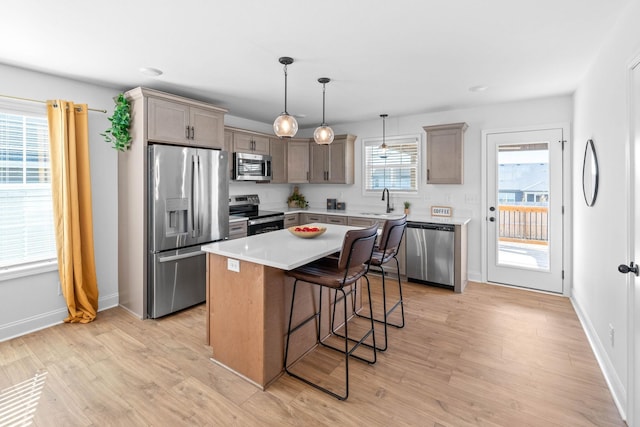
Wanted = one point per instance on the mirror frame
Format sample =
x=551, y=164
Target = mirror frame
x=590, y=174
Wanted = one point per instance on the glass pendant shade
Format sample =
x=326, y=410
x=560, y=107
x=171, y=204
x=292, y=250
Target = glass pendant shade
x=285, y=126
x=323, y=135
x=383, y=148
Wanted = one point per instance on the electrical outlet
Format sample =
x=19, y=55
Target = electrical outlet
x=612, y=334
x=59, y=289
x=233, y=265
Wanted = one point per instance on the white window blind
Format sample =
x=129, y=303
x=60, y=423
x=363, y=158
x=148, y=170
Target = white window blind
x=26, y=212
x=398, y=170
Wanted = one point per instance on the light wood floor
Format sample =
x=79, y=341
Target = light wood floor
x=492, y=356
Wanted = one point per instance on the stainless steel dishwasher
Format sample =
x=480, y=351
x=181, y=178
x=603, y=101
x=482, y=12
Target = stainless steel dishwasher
x=430, y=253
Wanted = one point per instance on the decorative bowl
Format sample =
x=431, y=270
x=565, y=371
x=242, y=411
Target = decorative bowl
x=307, y=231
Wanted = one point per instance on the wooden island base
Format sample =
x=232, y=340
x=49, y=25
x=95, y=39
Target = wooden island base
x=248, y=314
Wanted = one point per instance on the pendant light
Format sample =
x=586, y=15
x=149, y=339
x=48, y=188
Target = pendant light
x=285, y=126
x=323, y=134
x=383, y=147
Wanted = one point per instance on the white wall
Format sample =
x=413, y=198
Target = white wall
x=600, y=234
x=30, y=303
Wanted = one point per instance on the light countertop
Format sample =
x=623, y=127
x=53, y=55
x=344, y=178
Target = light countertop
x=383, y=216
x=281, y=249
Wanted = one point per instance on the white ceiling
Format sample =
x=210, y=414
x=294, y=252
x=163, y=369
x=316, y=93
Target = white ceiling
x=396, y=57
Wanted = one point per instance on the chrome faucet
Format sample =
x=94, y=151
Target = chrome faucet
x=389, y=208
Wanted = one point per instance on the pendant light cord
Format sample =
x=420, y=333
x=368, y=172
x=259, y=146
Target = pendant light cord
x=285, y=89
x=323, y=90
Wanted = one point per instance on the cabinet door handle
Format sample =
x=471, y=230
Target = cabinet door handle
x=193, y=133
x=186, y=132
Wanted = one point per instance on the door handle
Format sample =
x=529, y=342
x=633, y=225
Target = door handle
x=492, y=219
x=194, y=194
x=622, y=268
x=181, y=256
x=492, y=209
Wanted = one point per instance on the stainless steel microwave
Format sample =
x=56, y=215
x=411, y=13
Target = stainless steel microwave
x=251, y=167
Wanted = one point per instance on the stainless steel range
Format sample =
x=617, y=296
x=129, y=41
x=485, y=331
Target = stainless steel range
x=259, y=221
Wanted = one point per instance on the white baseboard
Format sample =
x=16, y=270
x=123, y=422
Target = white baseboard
x=45, y=320
x=618, y=392
x=474, y=276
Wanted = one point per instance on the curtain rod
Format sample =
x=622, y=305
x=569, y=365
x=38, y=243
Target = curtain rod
x=43, y=102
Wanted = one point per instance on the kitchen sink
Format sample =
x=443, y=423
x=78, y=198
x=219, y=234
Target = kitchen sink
x=376, y=214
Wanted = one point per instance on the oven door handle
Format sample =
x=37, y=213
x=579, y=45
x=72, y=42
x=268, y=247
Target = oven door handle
x=265, y=220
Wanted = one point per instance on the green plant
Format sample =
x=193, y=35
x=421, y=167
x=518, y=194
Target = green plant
x=407, y=205
x=296, y=198
x=118, y=133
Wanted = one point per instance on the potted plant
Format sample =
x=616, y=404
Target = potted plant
x=118, y=133
x=407, y=205
x=297, y=200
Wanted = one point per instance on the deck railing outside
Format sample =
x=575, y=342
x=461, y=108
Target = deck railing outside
x=524, y=223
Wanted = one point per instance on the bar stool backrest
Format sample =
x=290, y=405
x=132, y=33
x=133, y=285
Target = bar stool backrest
x=392, y=232
x=357, y=248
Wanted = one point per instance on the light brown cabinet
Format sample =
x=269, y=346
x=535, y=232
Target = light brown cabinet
x=445, y=153
x=291, y=220
x=237, y=229
x=156, y=117
x=336, y=219
x=307, y=218
x=278, y=150
x=297, y=161
x=249, y=142
x=361, y=222
x=184, y=123
x=333, y=163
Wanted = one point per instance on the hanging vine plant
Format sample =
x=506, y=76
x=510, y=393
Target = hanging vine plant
x=118, y=133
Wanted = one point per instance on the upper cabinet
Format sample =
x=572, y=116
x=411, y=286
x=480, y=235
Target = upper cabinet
x=249, y=142
x=278, y=151
x=445, y=153
x=184, y=121
x=333, y=163
x=297, y=160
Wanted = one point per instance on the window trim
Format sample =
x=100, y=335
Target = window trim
x=16, y=271
x=25, y=270
x=391, y=140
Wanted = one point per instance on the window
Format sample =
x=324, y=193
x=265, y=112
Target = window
x=398, y=170
x=26, y=212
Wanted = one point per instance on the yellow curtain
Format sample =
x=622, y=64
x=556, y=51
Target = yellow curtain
x=73, y=219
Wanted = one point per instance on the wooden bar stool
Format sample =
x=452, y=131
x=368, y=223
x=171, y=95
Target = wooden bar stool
x=336, y=273
x=385, y=251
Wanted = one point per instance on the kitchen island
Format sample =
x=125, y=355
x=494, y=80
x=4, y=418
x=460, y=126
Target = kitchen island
x=249, y=296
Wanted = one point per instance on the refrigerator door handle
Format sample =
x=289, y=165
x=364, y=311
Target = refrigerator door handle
x=199, y=197
x=181, y=256
x=194, y=196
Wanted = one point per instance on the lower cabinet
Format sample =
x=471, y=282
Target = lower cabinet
x=361, y=222
x=306, y=218
x=291, y=220
x=237, y=229
x=336, y=219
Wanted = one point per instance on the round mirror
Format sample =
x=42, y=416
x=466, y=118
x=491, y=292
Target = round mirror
x=590, y=174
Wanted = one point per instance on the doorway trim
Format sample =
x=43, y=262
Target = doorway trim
x=632, y=409
x=566, y=202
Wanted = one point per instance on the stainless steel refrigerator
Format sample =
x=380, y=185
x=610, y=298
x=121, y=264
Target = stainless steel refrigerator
x=188, y=206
